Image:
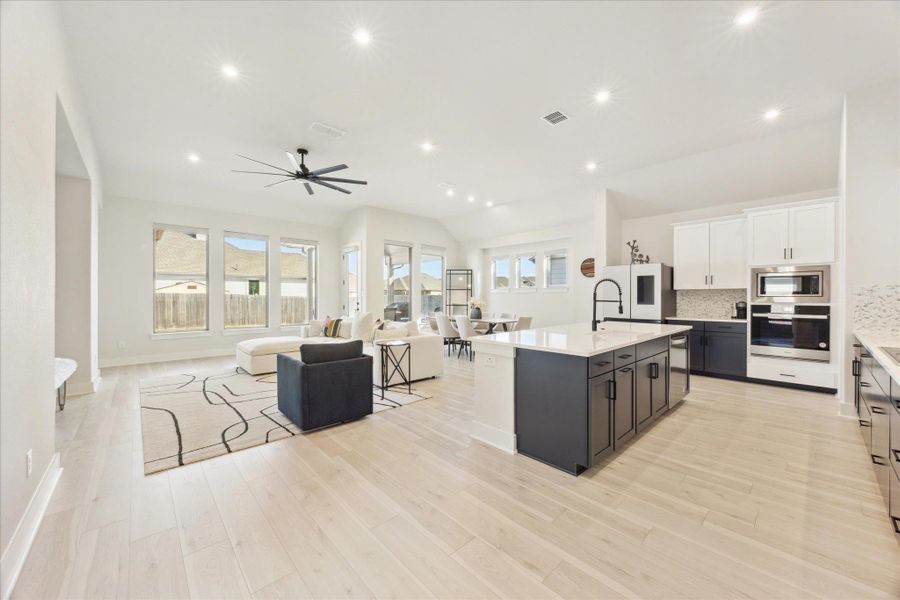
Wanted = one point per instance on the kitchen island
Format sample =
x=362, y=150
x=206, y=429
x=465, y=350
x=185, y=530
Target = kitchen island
x=569, y=396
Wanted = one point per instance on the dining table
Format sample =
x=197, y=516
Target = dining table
x=493, y=322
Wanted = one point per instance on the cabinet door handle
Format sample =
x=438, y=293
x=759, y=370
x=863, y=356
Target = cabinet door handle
x=855, y=368
x=654, y=370
x=710, y=279
x=792, y=252
x=611, y=389
x=857, y=345
x=785, y=253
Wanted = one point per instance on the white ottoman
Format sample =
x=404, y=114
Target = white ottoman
x=259, y=355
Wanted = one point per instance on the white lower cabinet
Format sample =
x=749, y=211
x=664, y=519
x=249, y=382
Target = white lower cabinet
x=710, y=254
x=800, y=372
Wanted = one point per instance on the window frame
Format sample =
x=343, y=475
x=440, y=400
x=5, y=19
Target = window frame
x=547, y=256
x=247, y=236
x=439, y=253
x=537, y=270
x=314, y=306
x=384, y=281
x=185, y=332
x=509, y=268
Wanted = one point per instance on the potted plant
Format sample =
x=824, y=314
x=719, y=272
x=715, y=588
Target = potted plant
x=475, y=308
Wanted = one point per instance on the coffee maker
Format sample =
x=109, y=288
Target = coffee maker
x=740, y=310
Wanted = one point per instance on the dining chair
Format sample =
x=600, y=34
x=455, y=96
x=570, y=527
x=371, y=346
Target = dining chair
x=466, y=333
x=446, y=329
x=522, y=323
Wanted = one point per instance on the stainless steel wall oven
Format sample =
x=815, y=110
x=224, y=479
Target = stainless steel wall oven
x=791, y=331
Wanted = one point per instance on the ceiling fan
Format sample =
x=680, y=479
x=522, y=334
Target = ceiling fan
x=300, y=172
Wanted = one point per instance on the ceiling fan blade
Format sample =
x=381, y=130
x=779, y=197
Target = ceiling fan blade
x=308, y=188
x=258, y=172
x=293, y=161
x=328, y=170
x=339, y=180
x=328, y=185
x=280, y=182
x=262, y=163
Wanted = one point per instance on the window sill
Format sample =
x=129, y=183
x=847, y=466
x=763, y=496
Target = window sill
x=500, y=291
x=526, y=290
x=171, y=335
x=245, y=330
x=557, y=289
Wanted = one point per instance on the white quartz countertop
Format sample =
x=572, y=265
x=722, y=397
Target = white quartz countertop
x=577, y=339
x=874, y=340
x=744, y=321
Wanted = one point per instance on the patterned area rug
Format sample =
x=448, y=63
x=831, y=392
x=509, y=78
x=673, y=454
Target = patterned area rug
x=195, y=416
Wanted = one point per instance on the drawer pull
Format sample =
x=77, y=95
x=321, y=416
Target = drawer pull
x=896, y=521
x=625, y=370
x=864, y=423
x=878, y=460
x=786, y=375
x=877, y=410
x=602, y=363
x=896, y=455
x=864, y=384
x=624, y=356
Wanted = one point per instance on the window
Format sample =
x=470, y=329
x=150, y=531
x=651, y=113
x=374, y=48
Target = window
x=180, y=264
x=526, y=272
x=299, y=291
x=500, y=273
x=246, y=269
x=556, y=271
x=397, y=284
x=432, y=275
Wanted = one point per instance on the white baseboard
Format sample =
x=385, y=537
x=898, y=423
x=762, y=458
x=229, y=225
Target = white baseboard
x=847, y=410
x=80, y=388
x=124, y=361
x=502, y=440
x=20, y=544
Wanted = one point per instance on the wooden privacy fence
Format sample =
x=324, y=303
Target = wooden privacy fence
x=187, y=312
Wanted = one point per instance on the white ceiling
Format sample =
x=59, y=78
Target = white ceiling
x=474, y=78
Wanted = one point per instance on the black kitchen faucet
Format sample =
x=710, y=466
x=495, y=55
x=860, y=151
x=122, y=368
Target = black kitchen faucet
x=594, y=320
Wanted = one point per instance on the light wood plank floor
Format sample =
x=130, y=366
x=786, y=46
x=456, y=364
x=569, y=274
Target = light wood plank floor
x=745, y=491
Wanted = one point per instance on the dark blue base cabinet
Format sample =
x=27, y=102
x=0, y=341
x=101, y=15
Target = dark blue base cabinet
x=718, y=349
x=573, y=411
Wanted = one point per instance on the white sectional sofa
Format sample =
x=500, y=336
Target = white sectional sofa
x=258, y=356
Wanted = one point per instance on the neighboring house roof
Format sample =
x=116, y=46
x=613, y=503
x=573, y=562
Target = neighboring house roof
x=429, y=283
x=184, y=287
x=180, y=253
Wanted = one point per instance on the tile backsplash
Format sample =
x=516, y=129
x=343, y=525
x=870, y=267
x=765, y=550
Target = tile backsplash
x=707, y=304
x=877, y=307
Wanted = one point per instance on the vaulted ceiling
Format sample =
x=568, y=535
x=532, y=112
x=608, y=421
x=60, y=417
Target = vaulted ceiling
x=472, y=78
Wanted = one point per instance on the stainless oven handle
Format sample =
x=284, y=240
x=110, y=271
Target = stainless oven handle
x=774, y=317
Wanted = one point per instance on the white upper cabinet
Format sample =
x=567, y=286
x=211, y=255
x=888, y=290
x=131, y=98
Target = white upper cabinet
x=691, y=256
x=812, y=234
x=768, y=237
x=799, y=234
x=727, y=254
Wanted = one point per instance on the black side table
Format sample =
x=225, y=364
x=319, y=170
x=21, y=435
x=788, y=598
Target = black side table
x=391, y=364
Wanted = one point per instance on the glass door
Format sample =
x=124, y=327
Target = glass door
x=350, y=284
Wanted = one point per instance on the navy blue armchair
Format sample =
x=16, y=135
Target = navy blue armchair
x=330, y=384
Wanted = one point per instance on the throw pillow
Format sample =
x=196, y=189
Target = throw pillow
x=389, y=334
x=345, y=329
x=315, y=328
x=332, y=327
x=362, y=327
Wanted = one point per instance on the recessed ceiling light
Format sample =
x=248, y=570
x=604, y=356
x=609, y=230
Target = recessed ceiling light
x=426, y=147
x=591, y=166
x=747, y=17
x=230, y=71
x=193, y=157
x=489, y=203
x=771, y=114
x=362, y=37
x=471, y=198
x=602, y=96
x=450, y=192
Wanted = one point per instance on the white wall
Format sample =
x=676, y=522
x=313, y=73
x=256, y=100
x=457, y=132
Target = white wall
x=33, y=75
x=376, y=226
x=870, y=187
x=126, y=278
x=546, y=307
x=654, y=234
x=74, y=280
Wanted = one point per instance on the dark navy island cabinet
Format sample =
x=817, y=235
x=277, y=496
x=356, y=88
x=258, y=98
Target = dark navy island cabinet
x=718, y=349
x=571, y=411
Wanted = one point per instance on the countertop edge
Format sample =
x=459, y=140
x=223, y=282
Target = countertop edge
x=617, y=346
x=873, y=341
x=744, y=321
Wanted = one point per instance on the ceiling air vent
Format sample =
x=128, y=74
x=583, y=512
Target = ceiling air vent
x=556, y=117
x=328, y=130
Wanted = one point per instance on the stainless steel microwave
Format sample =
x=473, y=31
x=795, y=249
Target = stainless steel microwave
x=806, y=284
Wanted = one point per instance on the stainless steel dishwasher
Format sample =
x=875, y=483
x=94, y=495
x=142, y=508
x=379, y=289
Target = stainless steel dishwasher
x=679, y=367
